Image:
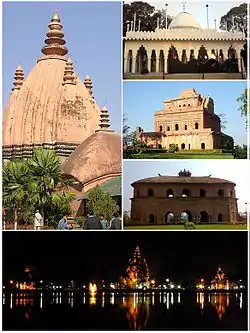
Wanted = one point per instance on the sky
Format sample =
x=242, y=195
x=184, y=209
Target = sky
x=93, y=37
x=87, y=256
x=236, y=171
x=141, y=99
x=198, y=9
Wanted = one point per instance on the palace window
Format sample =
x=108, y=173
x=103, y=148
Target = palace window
x=221, y=193
x=220, y=217
x=183, y=146
x=176, y=127
x=202, y=193
x=203, y=145
x=160, y=128
x=196, y=126
x=150, y=192
x=168, y=128
x=185, y=127
x=151, y=219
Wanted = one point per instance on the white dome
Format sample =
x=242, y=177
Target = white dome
x=184, y=20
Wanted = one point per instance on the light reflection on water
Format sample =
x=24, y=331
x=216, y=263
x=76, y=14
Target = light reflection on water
x=137, y=305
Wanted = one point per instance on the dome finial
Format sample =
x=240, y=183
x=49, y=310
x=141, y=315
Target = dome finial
x=104, y=121
x=19, y=78
x=55, y=17
x=88, y=85
x=55, y=42
x=184, y=5
x=69, y=75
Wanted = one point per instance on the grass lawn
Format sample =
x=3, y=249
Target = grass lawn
x=182, y=156
x=198, y=227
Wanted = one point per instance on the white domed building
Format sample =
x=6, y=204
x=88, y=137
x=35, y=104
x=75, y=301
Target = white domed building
x=183, y=47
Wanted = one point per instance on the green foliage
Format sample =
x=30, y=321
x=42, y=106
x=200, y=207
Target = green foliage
x=37, y=183
x=126, y=218
x=243, y=108
x=238, y=15
x=146, y=13
x=101, y=203
x=173, y=148
x=80, y=220
x=240, y=152
x=189, y=225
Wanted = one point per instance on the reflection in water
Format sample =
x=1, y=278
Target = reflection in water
x=137, y=312
x=137, y=305
x=220, y=302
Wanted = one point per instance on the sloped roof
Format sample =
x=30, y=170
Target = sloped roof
x=112, y=186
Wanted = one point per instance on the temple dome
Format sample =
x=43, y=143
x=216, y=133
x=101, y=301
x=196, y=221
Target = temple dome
x=97, y=158
x=52, y=104
x=184, y=20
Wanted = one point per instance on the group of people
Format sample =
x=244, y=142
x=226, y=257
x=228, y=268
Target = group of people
x=92, y=222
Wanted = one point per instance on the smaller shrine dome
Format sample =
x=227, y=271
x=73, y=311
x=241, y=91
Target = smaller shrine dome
x=184, y=20
x=97, y=157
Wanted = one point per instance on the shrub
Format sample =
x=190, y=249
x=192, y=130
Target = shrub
x=80, y=220
x=189, y=225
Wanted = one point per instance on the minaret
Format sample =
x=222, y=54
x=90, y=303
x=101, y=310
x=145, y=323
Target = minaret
x=104, y=121
x=69, y=75
x=19, y=78
x=55, y=42
x=88, y=85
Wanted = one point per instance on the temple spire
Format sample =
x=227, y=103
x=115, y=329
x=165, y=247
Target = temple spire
x=69, y=75
x=19, y=78
x=55, y=42
x=88, y=85
x=104, y=121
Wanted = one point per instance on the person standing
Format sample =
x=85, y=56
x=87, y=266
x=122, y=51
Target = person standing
x=92, y=222
x=105, y=224
x=63, y=224
x=38, y=220
x=116, y=222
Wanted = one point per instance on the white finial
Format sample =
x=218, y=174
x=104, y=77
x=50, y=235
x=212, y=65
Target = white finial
x=139, y=25
x=134, y=20
x=184, y=5
x=207, y=17
x=127, y=27
x=158, y=22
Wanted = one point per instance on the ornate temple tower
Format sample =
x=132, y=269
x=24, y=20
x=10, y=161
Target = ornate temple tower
x=52, y=108
x=220, y=282
x=137, y=270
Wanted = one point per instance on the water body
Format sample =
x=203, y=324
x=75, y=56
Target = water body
x=132, y=311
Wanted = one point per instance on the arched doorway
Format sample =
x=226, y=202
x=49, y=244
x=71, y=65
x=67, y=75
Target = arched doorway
x=186, y=193
x=161, y=61
x=204, y=218
x=150, y=192
x=170, y=193
x=220, y=217
x=203, y=145
x=153, y=61
x=169, y=218
x=176, y=127
x=196, y=126
x=142, y=61
x=183, y=146
x=160, y=128
x=186, y=217
x=130, y=60
x=151, y=219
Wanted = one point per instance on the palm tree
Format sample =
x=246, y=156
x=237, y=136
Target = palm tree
x=46, y=181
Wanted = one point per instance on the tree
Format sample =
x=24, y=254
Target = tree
x=223, y=120
x=101, y=203
x=237, y=16
x=146, y=13
x=241, y=152
x=243, y=108
x=36, y=183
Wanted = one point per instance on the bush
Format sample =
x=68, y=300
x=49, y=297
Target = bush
x=173, y=148
x=80, y=220
x=156, y=151
x=144, y=71
x=189, y=225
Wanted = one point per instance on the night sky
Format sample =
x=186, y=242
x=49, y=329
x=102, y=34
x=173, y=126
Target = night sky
x=84, y=256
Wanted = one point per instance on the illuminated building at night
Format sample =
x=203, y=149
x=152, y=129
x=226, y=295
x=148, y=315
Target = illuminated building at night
x=137, y=271
x=220, y=281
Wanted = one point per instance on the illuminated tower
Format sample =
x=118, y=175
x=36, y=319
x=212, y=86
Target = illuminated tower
x=220, y=281
x=137, y=270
